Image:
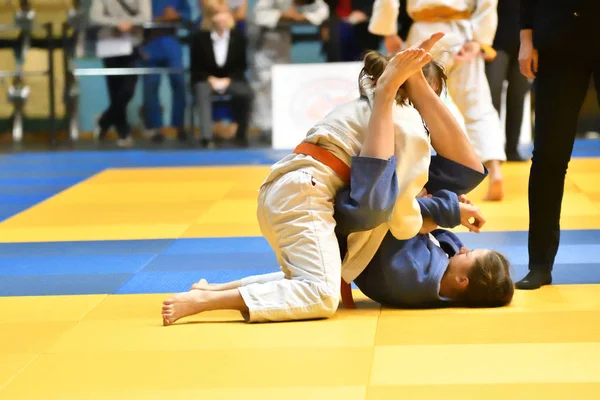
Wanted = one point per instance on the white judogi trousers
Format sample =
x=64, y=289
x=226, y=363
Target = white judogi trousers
x=295, y=214
x=468, y=86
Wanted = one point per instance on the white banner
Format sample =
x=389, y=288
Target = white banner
x=304, y=93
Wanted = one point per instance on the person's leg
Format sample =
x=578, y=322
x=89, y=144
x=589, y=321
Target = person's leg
x=518, y=86
x=348, y=45
x=124, y=95
x=203, y=284
x=365, y=40
x=296, y=216
x=196, y=301
x=262, y=88
x=113, y=83
x=469, y=89
x=496, y=72
x=273, y=51
x=560, y=87
x=241, y=99
x=177, y=81
x=152, y=108
x=203, y=93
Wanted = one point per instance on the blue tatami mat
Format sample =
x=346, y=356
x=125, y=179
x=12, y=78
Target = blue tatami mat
x=164, y=266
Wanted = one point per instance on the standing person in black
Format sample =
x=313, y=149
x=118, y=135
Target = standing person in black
x=119, y=18
x=506, y=67
x=560, y=48
x=218, y=66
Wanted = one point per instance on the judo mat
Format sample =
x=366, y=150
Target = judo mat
x=92, y=242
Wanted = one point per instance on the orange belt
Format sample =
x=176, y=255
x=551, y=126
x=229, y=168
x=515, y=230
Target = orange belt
x=327, y=158
x=441, y=14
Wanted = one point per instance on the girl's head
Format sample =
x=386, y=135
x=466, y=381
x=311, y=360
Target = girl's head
x=376, y=62
x=479, y=278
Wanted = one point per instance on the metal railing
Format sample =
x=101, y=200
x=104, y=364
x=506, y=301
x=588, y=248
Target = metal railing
x=73, y=30
x=18, y=92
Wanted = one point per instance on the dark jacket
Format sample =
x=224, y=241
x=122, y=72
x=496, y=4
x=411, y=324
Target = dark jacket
x=202, y=58
x=561, y=25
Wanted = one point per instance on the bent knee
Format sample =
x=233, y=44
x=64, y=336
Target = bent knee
x=327, y=307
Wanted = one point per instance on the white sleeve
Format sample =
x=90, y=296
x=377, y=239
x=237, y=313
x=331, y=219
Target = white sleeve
x=485, y=21
x=266, y=13
x=145, y=14
x=317, y=13
x=97, y=16
x=384, y=19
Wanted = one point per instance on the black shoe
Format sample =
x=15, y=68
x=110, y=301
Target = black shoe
x=535, y=280
x=207, y=144
x=182, y=136
x=157, y=138
x=241, y=143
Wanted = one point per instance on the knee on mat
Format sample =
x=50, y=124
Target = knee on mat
x=328, y=306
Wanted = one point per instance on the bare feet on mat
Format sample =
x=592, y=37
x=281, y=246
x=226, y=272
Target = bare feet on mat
x=496, y=185
x=183, y=305
x=202, y=284
x=495, y=190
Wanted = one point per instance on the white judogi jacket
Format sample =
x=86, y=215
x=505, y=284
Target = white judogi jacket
x=482, y=25
x=341, y=132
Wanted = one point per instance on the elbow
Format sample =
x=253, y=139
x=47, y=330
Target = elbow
x=408, y=228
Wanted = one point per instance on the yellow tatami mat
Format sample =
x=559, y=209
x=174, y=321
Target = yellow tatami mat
x=113, y=347
x=164, y=203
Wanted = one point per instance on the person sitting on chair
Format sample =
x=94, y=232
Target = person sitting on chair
x=218, y=66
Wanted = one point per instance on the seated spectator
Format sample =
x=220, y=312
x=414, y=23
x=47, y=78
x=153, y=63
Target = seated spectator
x=119, y=19
x=218, y=65
x=210, y=8
x=163, y=50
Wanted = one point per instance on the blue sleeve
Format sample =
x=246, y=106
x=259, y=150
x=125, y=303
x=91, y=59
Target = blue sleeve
x=443, y=208
x=452, y=176
x=371, y=196
x=184, y=10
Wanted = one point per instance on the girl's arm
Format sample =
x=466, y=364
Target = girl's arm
x=446, y=174
x=369, y=199
x=447, y=138
x=443, y=208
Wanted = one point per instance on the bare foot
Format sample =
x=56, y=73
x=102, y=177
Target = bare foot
x=183, y=305
x=202, y=284
x=495, y=191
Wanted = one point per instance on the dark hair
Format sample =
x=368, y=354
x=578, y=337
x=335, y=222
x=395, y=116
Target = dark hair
x=490, y=284
x=375, y=63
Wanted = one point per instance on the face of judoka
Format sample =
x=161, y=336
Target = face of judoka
x=460, y=266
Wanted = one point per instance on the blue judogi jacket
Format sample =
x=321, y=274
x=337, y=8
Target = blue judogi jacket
x=404, y=273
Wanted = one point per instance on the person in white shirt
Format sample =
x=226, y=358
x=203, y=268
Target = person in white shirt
x=270, y=29
x=218, y=66
x=470, y=27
